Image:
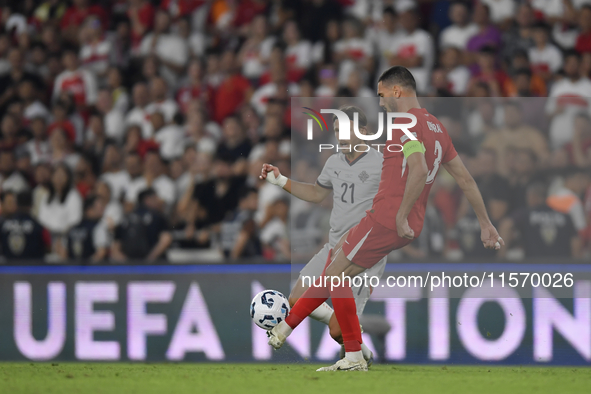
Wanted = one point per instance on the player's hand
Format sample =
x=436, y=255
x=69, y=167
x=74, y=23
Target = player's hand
x=403, y=229
x=272, y=175
x=490, y=237
x=267, y=168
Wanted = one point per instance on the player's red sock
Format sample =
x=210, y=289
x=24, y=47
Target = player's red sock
x=310, y=300
x=346, y=312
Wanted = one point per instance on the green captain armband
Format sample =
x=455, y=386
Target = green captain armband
x=412, y=147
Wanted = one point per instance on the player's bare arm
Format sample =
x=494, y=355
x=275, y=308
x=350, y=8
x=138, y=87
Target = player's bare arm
x=488, y=233
x=417, y=176
x=304, y=191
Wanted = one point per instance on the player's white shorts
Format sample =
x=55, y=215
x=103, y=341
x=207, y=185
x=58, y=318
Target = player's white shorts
x=318, y=261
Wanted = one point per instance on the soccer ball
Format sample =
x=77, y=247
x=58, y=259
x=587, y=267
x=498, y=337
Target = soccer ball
x=269, y=308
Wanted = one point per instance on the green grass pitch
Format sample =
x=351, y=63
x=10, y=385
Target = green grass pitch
x=111, y=378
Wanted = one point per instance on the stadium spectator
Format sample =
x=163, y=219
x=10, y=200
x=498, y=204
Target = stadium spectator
x=153, y=176
x=239, y=232
x=543, y=231
x=567, y=197
x=414, y=50
x=191, y=97
x=513, y=136
x=21, y=236
x=10, y=178
x=567, y=97
x=89, y=239
x=143, y=233
x=62, y=209
x=169, y=49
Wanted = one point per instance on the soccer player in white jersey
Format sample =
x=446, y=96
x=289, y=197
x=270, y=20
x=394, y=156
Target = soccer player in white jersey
x=353, y=175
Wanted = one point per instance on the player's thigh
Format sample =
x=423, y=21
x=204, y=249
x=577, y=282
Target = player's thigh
x=310, y=272
x=340, y=265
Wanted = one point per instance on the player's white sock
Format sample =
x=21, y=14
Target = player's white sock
x=323, y=313
x=284, y=329
x=366, y=352
x=354, y=356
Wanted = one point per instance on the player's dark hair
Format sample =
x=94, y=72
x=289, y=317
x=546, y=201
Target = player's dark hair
x=350, y=110
x=398, y=75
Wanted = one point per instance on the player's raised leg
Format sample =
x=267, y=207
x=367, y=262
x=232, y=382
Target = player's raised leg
x=340, y=272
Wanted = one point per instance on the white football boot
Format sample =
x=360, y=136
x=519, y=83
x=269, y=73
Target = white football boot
x=277, y=335
x=368, y=357
x=345, y=364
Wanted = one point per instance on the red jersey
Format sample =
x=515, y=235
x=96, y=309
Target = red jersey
x=438, y=150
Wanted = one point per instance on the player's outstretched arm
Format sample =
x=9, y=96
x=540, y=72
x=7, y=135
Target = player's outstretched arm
x=489, y=236
x=303, y=191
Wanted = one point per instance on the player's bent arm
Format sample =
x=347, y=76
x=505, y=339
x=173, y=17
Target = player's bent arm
x=458, y=170
x=304, y=191
x=489, y=236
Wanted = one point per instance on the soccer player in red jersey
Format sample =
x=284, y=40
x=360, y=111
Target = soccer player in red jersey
x=396, y=218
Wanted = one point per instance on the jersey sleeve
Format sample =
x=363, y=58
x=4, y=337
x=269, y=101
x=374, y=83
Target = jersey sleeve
x=324, y=179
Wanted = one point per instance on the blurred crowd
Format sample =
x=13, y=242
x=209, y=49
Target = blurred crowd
x=130, y=128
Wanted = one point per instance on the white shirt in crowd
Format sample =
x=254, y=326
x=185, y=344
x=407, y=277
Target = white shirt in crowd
x=298, y=56
x=80, y=83
x=458, y=79
x=417, y=43
x=15, y=182
x=39, y=151
x=117, y=182
x=58, y=217
x=262, y=95
x=168, y=108
x=163, y=186
x=170, y=47
x=500, y=10
x=36, y=110
x=171, y=139
x=384, y=41
x=139, y=116
x=95, y=57
x=574, y=98
x=457, y=36
x=253, y=67
x=547, y=59
x=354, y=50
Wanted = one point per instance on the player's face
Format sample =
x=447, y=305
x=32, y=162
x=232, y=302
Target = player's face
x=388, y=96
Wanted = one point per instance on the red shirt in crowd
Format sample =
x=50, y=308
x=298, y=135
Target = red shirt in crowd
x=247, y=10
x=75, y=16
x=229, y=96
x=583, y=42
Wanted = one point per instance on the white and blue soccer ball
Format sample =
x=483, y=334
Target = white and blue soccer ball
x=269, y=308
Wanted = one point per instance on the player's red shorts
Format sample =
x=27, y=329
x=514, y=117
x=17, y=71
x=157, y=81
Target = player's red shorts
x=369, y=242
